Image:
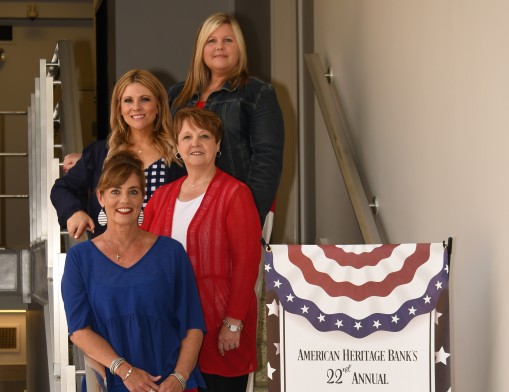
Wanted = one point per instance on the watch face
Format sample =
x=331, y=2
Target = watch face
x=232, y=328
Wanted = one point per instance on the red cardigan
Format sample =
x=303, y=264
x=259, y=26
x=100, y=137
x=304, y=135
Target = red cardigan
x=223, y=244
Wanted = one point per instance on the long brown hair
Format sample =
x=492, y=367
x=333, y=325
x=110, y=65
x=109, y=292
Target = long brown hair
x=199, y=74
x=119, y=138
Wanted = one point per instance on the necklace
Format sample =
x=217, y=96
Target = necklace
x=200, y=183
x=203, y=181
x=117, y=255
x=140, y=147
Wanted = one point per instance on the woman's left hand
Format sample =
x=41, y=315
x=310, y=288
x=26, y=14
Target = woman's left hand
x=228, y=340
x=171, y=384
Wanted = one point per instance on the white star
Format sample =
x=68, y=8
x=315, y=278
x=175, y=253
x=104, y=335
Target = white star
x=277, y=283
x=376, y=324
x=339, y=323
x=268, y=267
x=321, y=317
x=438, y=285
x=437, y=316
x=273, y=308
x=270, y=370
x=357, y=325
x=412, y=310
x=446, y=268
x=441, y=356
x=427, y=299
x=277, y=348
x=395, y=319
x=290, y=298
x=304, y=309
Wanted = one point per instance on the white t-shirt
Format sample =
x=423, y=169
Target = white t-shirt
x=182, y=217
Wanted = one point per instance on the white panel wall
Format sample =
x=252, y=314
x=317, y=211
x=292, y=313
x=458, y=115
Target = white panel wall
x=426, y=88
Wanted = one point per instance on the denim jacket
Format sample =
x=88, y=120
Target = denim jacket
x=253, y=136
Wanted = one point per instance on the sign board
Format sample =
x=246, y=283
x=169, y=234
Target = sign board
x=361, y=318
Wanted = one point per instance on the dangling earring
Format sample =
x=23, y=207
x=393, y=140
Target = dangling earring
x=178, y=156
x=102, y=218
x=141, y=217
x=218, y=154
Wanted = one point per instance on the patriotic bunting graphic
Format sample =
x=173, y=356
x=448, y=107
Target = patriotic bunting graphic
x=361, y=293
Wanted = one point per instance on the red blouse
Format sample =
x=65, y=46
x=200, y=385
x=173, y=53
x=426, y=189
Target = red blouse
x=223, y=244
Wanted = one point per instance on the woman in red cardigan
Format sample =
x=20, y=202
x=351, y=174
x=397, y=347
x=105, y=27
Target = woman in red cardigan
x=214, y=216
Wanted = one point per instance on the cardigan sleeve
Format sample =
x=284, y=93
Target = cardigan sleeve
x=158, y=213
x=149, y=213
x=244, y=233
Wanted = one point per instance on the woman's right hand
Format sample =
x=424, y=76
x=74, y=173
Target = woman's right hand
x=70, y=160
x=78, y=223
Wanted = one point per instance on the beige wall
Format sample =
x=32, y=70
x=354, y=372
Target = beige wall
x=14, y=320
x=426, y=88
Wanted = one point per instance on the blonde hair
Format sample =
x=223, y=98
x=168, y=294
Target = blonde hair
x=119, y=138
x=199, y=74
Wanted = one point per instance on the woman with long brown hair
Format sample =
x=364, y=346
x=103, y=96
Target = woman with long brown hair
x=140, y=121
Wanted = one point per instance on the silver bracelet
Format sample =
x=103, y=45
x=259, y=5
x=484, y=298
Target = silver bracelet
x=181, y=379
x=127, y=374
x=115, y=364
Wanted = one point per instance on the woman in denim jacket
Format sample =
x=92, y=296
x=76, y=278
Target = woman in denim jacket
x=253, y=129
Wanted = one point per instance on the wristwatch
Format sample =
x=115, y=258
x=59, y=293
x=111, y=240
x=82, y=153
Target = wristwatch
x=233, y=328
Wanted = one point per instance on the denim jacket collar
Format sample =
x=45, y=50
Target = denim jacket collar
x=226, y=86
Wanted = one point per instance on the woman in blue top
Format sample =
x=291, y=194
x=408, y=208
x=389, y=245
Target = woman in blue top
x=253, y=129
x=140, y=121
x=130, y=296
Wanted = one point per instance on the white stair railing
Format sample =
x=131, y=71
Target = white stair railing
x=45, y=234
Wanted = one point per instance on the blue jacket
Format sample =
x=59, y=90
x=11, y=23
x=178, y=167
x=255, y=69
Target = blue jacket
x=75, y=190
x=253, y=136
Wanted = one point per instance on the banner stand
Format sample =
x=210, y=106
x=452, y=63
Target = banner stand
x=358, y=317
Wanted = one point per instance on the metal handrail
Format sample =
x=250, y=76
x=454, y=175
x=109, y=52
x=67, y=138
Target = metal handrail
x=337, y=133
x=13, y=154
x=13, y=196
x=13, y=112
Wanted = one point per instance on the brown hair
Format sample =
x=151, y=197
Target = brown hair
x=198, y=75
x=201, y=118
x=118, y=168
x=119, y=138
